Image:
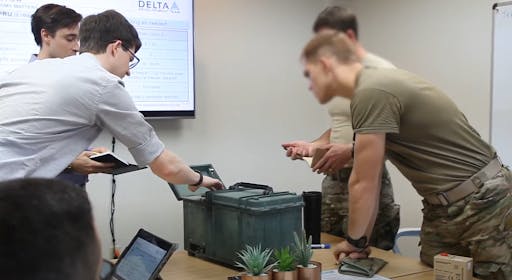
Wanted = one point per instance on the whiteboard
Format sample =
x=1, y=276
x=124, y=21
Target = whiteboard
x=501, y=81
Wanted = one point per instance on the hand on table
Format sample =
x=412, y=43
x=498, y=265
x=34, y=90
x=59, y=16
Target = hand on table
x=345, y=249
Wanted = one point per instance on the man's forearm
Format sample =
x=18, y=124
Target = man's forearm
x=172, y=169
x=365, y=184
x=363, y=208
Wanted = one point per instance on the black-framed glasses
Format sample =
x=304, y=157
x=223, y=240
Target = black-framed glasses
x=134, y=60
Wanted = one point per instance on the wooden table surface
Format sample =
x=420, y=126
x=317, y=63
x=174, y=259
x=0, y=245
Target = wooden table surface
x=184, y=267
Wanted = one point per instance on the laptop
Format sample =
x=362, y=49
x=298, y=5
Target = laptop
x=142, y=259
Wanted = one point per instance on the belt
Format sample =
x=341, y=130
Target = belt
x=467, y=187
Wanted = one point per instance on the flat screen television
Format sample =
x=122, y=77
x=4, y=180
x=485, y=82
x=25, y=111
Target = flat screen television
x=162, y=84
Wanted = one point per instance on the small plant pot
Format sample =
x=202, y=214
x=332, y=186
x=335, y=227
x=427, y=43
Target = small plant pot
x=284, y=275
x=312, y=272
x=259, y=277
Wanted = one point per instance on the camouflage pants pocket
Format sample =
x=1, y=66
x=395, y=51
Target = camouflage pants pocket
x=335, y=210
x=334, y=206
x=479, y=226
x=493, y=256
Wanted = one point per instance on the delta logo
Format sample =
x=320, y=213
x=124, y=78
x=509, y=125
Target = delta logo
x=159, y=6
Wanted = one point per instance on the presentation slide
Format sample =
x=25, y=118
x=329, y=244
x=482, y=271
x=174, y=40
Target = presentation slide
x=161, y=85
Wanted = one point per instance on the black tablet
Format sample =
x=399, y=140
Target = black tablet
x=144, y=257
x=121, y=166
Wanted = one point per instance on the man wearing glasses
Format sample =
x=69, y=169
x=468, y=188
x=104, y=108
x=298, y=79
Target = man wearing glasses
x=53, y=109
x=134, y=60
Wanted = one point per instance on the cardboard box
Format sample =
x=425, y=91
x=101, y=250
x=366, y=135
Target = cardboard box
x=452, y=267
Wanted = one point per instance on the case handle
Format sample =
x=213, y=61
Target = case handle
x=239, y=185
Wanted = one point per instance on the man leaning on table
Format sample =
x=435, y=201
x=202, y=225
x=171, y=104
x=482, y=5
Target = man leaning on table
x=399, y=116
x=338, y=140
x=51, y=110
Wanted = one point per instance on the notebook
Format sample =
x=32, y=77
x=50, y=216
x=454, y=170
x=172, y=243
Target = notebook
x=319, y=154
x=120, y=167
x=143, y=258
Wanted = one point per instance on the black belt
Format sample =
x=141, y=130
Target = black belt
x=467, y=187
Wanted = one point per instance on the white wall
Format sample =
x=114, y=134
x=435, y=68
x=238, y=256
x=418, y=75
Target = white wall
x=252, y=96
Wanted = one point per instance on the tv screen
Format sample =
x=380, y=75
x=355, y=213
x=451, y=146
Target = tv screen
x=162, y=84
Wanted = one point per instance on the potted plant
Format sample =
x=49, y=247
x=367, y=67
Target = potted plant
x=254, y=262
x=285, y=268
x=306, y=269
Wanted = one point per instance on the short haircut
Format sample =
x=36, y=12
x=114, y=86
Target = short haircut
x=332, y=43
x=53, y=17
x=46, y=231
x=337, y=18
x=98, y=31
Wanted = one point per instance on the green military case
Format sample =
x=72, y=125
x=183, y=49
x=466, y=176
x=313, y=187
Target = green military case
x=218, y=224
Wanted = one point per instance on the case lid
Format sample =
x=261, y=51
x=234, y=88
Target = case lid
x=182, y=191
x=255, y=199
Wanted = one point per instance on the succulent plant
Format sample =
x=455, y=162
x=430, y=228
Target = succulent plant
x=285, y=259
x=254, y=260
x=302, y=249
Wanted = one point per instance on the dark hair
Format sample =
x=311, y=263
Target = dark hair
x=337, y=18
x=46, y=231
x=53, y=17
x=97, y=31
x=332, y=43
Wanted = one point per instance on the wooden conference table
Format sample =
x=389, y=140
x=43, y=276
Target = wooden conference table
x=184, y=267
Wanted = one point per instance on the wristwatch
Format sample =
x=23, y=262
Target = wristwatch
x=360, y=243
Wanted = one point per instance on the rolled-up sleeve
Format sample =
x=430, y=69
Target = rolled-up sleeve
x=117, y=113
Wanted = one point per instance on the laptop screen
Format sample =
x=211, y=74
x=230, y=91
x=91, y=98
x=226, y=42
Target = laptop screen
x=144, y=257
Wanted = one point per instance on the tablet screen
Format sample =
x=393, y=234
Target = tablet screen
x=140, y=261
x=143, y=258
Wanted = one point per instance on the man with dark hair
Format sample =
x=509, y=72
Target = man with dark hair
x=337, y=18
x=51, y=111
x=338, y=140
x=467, y=192
x=47, y=231
x=55, y=30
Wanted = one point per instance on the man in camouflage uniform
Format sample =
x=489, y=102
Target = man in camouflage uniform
x=335, y=209
x=467, y=192
x=339, y=140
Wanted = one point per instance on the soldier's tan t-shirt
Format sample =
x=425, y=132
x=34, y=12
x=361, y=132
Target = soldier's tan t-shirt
x=427, y=137
x=339, y=107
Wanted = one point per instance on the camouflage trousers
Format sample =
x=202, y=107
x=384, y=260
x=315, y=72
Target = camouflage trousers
x=479, y=226
x=335, y=209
